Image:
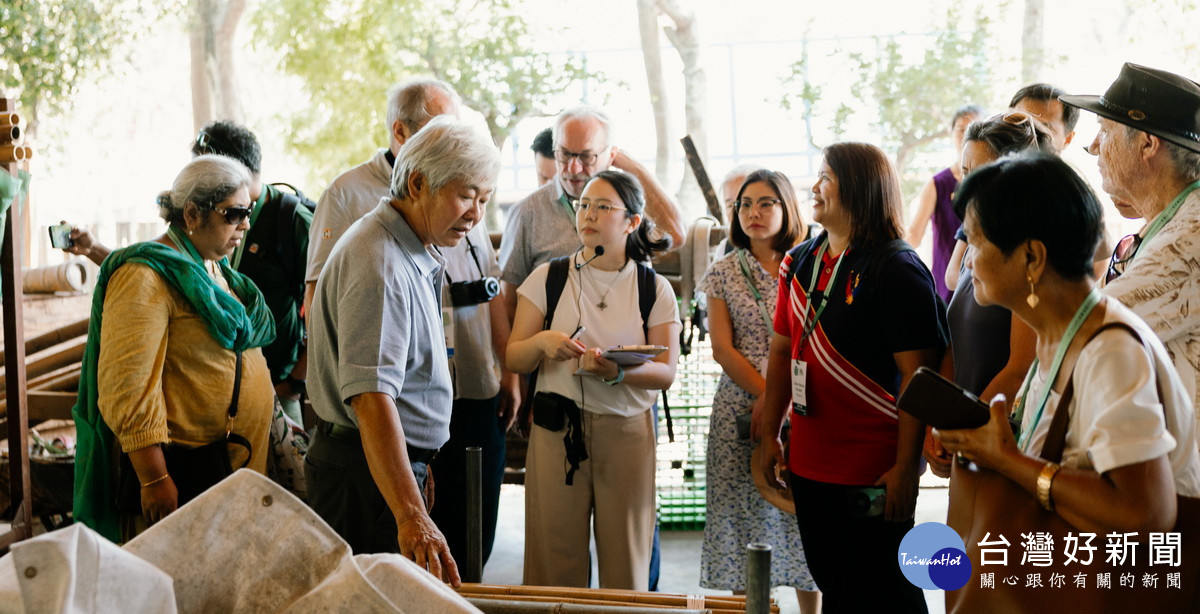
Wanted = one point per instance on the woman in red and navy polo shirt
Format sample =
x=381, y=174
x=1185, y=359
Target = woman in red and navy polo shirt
x=857, y=314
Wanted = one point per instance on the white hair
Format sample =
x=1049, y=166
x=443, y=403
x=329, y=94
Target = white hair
x=444, y=150
x=583, y=112
x=409, y=101
x=205, y=182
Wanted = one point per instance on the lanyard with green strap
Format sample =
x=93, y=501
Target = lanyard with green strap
x=758, y=299
x=1081, y=314
x=257, y=208
x=820, y=296
x=566, y=205
x=1162, y=218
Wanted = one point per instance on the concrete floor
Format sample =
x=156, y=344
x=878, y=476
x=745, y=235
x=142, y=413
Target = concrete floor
x=680, y=549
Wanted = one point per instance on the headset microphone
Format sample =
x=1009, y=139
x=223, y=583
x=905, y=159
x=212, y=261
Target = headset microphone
x=599, y=252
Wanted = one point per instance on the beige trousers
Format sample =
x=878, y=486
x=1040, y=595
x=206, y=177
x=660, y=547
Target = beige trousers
x=613, y=490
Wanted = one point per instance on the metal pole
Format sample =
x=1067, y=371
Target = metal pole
x=474, y=571
x=758, y=579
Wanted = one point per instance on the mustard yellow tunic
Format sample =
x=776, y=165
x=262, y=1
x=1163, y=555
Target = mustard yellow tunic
x=162, y=378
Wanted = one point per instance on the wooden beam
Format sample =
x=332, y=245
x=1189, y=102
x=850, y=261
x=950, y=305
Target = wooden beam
x=14, y=363
x=48, y=340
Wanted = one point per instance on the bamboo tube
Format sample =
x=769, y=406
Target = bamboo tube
x=14, y=153
x=10, y=135
x=9, y=119
x=59, y=335
x=68, y=354
x=626, y=596
x=589, y=605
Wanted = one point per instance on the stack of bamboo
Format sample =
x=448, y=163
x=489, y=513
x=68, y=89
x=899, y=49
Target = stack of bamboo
x=52, y=367
x=503, y=599
x=11, y=137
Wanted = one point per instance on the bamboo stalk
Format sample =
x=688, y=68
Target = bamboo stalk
x=48, y=340
x=621, y=606
x=9, y=119
x=10, y=135
x=625, y=596
x=14, y=153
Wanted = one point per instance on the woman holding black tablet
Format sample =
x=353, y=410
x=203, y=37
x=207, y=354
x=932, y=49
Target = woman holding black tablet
x=591, y=447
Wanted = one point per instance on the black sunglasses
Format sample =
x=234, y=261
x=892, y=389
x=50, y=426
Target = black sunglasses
x=235, y=215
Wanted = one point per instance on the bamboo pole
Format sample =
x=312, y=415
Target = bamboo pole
x=14, y=153
x=735, y=602
x=48, y=340
x=9, y=119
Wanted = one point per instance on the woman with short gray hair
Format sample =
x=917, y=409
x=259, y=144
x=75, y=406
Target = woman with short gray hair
x=173, y=379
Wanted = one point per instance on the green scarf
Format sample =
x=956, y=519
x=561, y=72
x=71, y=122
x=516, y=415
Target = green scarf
x=235, y=326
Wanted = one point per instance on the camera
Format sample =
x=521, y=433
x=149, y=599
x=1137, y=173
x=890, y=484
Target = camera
x=464, y=293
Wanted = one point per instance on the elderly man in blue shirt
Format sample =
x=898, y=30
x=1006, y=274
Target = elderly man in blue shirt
x=378, y=378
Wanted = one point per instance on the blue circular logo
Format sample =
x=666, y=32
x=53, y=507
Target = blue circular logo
x=932, y=557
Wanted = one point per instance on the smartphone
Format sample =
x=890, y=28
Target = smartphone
x=60, y=236
x=941, y=403
x=867, y=501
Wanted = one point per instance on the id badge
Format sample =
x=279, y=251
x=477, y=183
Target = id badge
x=448, y=327
x=799, y=384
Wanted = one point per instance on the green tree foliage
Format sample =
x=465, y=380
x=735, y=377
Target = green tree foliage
x=908, y=100
x=348, y=53
x=48, y=49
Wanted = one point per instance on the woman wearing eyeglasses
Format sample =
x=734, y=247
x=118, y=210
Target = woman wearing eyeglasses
x=741, y=291
x=857, y=314
x=173, y=360
x=591, y=452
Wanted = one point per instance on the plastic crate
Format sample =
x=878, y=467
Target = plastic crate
x=682, y=469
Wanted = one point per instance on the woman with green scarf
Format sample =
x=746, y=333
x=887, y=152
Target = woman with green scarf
x=169, y=321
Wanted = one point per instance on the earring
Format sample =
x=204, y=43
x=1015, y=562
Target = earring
x=1032, y=299
x=190, y=232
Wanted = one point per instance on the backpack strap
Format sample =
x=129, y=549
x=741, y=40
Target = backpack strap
x=285, y=235
x=647, y=286
x=556, y=280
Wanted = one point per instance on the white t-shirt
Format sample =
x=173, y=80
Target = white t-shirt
x=1116, y=415
x=619, y=323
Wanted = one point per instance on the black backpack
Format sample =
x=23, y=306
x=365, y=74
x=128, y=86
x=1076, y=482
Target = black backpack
x=285, y=245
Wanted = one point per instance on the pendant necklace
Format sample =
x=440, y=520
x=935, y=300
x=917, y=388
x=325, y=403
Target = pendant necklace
x=596, y=286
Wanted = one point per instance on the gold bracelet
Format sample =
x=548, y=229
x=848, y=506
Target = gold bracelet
x=156, y=480
x=1044, y=482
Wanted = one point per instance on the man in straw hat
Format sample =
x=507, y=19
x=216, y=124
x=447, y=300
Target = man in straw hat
x=1149, y=156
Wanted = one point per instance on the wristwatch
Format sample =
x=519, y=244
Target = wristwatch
x=616, y=380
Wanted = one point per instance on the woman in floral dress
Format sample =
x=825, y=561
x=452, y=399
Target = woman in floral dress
x=741, y=292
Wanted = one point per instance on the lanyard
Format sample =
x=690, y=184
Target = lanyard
x=758, y=299
x=1162, y=218
x=1089, y=303
x=566, y=205
x=258, y=207
x=822, y=297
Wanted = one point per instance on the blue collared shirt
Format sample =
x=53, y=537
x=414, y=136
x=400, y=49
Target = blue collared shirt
x=376, y=327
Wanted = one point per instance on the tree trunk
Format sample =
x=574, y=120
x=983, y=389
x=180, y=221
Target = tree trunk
x=1032, y=48
x=686, y=40
x=652, y=58
x=213, y=73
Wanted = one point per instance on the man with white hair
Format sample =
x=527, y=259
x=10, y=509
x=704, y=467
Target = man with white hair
x=541, y=226
x=355, y=192
x=379, y=377
x=1149, y=156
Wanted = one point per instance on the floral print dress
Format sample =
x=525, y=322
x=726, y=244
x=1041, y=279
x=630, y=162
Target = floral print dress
x=737, y=514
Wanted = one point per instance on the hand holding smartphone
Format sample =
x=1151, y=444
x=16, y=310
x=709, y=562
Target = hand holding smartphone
x=60, y=236
x=941, y=403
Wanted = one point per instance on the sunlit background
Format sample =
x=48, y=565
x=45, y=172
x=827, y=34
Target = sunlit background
x=122, y=137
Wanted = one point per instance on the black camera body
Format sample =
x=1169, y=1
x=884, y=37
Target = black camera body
x=464, y=293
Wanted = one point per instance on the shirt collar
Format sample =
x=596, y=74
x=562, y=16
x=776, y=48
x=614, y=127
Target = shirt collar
x=428, y=263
